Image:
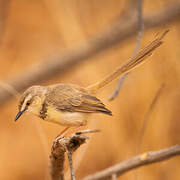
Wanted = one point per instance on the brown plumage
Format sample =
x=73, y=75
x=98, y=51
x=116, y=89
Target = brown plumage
x=70, y=105
x=72, y=98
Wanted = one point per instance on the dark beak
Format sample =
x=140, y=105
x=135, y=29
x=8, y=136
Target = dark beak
x=18, y=115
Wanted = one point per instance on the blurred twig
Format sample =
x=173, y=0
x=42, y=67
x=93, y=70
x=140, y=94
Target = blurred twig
x=146, y=120
x=10, y=89
x=135, y=162
x=139, y=4
x=118, y=87
x=140, y=26
x=4, y=12
x=62, y=145
x=116, y=33
x=147, y=116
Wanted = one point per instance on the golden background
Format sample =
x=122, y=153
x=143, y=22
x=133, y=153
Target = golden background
x=35, y=31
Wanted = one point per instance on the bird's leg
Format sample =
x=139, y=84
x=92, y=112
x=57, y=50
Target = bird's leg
x=75, y=129
x=78, y=128
x=66, y=130
x=60, y=135
x=63, y=132
x=71, y=130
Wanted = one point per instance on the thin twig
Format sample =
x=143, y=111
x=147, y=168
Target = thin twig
x=146, y=120
x=79, y=157
x=136, y=49
x=71, y=165
x=4, y=13
x=72, y=170
x=118, y=87
x=135, y=162
x=147, y=116
x=10, y=89
x=116, y=33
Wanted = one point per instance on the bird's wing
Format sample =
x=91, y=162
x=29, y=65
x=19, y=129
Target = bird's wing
x=71, y=98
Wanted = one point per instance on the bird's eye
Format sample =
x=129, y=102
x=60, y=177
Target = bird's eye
x=28, y=103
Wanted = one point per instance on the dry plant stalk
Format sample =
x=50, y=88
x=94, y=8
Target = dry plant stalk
x=57, y=157
x=70, y=144
x=135, y=162
x=60, y=146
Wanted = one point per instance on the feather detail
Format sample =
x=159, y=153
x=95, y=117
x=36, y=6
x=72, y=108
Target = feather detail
x=72, y=98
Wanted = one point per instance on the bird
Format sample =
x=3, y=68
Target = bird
x=70, y=105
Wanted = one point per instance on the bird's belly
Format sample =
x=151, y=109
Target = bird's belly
x=66, y=118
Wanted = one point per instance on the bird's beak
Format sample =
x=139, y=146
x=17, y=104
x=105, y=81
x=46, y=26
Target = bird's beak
x=18, y=115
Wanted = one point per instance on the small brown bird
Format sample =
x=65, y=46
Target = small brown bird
x=69, y=105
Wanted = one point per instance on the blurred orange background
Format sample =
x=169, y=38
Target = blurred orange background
x=32, y=31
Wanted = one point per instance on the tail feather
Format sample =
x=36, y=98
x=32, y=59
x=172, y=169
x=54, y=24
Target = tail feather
x=131, y=64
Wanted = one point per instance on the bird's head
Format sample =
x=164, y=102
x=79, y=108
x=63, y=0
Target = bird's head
x=31, y=100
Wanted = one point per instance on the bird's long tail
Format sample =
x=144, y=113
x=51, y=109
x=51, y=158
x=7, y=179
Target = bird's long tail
x=140, y=58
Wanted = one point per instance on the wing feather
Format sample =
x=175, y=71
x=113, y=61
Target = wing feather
x=72, y=98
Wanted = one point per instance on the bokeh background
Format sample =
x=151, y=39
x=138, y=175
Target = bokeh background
x=34, y=31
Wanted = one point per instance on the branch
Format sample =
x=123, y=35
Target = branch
x=135, y=162
x=139, y=5
x=57, y=156
x=116, y=33
x=62, y=145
